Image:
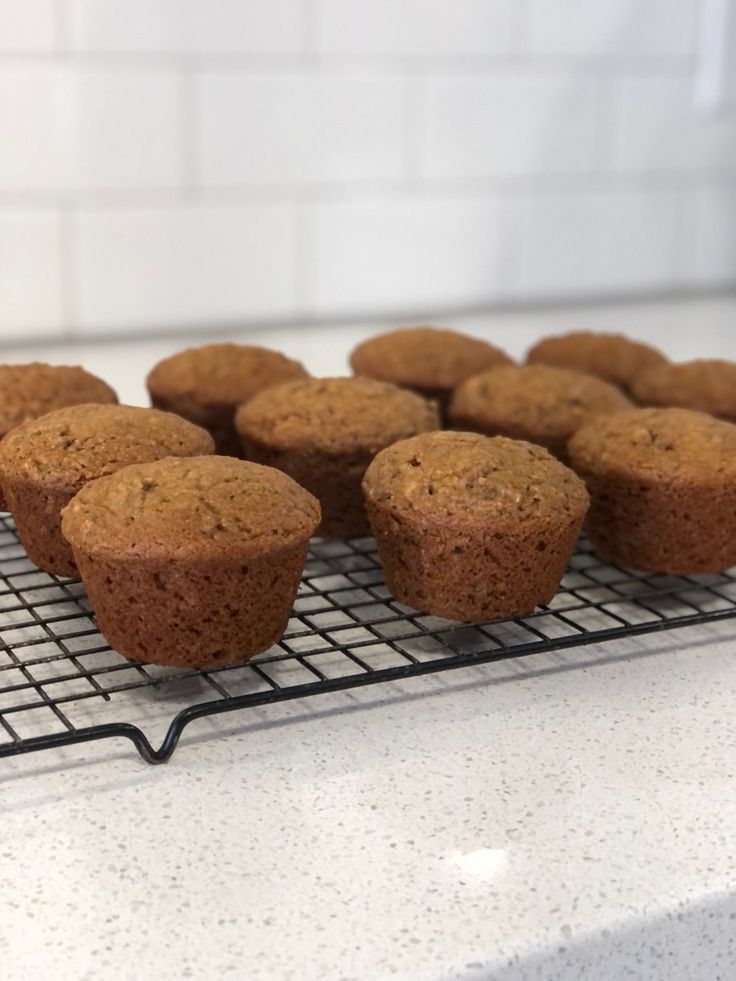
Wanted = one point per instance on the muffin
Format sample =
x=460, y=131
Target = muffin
x=44, y=462
x=470, y=527
x=535, y=403
x=324, y=432
x=663, y=489
x=430, y=361
x=707, y=386
x=207, y=384
x=28, y=391
x=191, y=562
x=612, y=357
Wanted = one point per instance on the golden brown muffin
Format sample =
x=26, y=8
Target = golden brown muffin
x=473, y=528
x=536, y=403
x=191, y=562
x=28, y=391
x=44, y=462
x=663, y=489
x=207, y=384
x=613, y=357
x=707, y=386
x=426, y=359
x=324, y=432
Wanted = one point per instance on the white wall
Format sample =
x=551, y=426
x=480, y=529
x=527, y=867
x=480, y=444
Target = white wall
x=179, y=162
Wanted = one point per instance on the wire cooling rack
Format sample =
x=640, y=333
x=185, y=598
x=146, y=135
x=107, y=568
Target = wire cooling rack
x=60, y=683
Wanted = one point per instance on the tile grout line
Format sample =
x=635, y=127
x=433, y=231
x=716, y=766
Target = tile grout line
x=189, y=124
x=62, y=33
x=68, y=262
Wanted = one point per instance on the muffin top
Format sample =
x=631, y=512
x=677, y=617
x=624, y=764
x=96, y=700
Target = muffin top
x=221, y=374
x=28, y=391
x=452, y=476
x=204, y=507
x=335, y=415
x=83, y=442
x=709, y=386
x=669, y=444
x=534, y=402
x=613, y=357
x=424, y=357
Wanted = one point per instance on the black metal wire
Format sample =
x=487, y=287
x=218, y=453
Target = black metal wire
x=60, y=684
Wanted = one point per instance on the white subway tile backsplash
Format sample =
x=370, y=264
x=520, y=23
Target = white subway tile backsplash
x=612, y=28
x=385, y=255
x=578, y=243
x=184, y=162
x=299, y=128
x=30, y=274
x=67, y=127
x=156, y=268
x=709, y=253
x=508, y=123
x=656, y=126
x=27, y=25
x=186, y=26
x=414, y=27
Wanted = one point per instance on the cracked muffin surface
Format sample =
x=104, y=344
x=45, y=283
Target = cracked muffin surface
x=87, y=441
x=471, y=527
x=191, y=562
x=45, y=461
x=468, y=476
x=324, y=432
x=706, y=385
x=533, y=402
x=199, y=506
x=431, y=360
x=28, y=391
x=614, y=357
x=663, y=489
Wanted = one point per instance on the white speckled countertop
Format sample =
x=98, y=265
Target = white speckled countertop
x=567, y=816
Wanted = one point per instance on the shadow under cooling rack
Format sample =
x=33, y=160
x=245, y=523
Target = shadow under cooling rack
x=60, y=683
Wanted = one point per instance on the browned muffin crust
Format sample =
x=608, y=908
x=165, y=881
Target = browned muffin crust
x=28, y=391
x=663, y=489
x=536, y=403
x=325, y=431
x=31, y=390
x=430, y=360
x=191, y=562
x=45, y=461
x=207, y=384
x=705, y=386
x=613, y=357
x=473, y=528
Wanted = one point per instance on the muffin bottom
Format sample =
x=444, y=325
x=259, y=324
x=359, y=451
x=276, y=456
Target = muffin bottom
x=36, y=509
x=472, y=575
x=334, y=480
x=219, y=421
x=192, y=613
x=675, y=529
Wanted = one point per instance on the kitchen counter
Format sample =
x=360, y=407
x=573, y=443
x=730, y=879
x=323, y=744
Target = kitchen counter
x=568, y=815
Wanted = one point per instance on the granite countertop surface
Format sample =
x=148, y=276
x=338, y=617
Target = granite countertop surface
x=568, y=815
